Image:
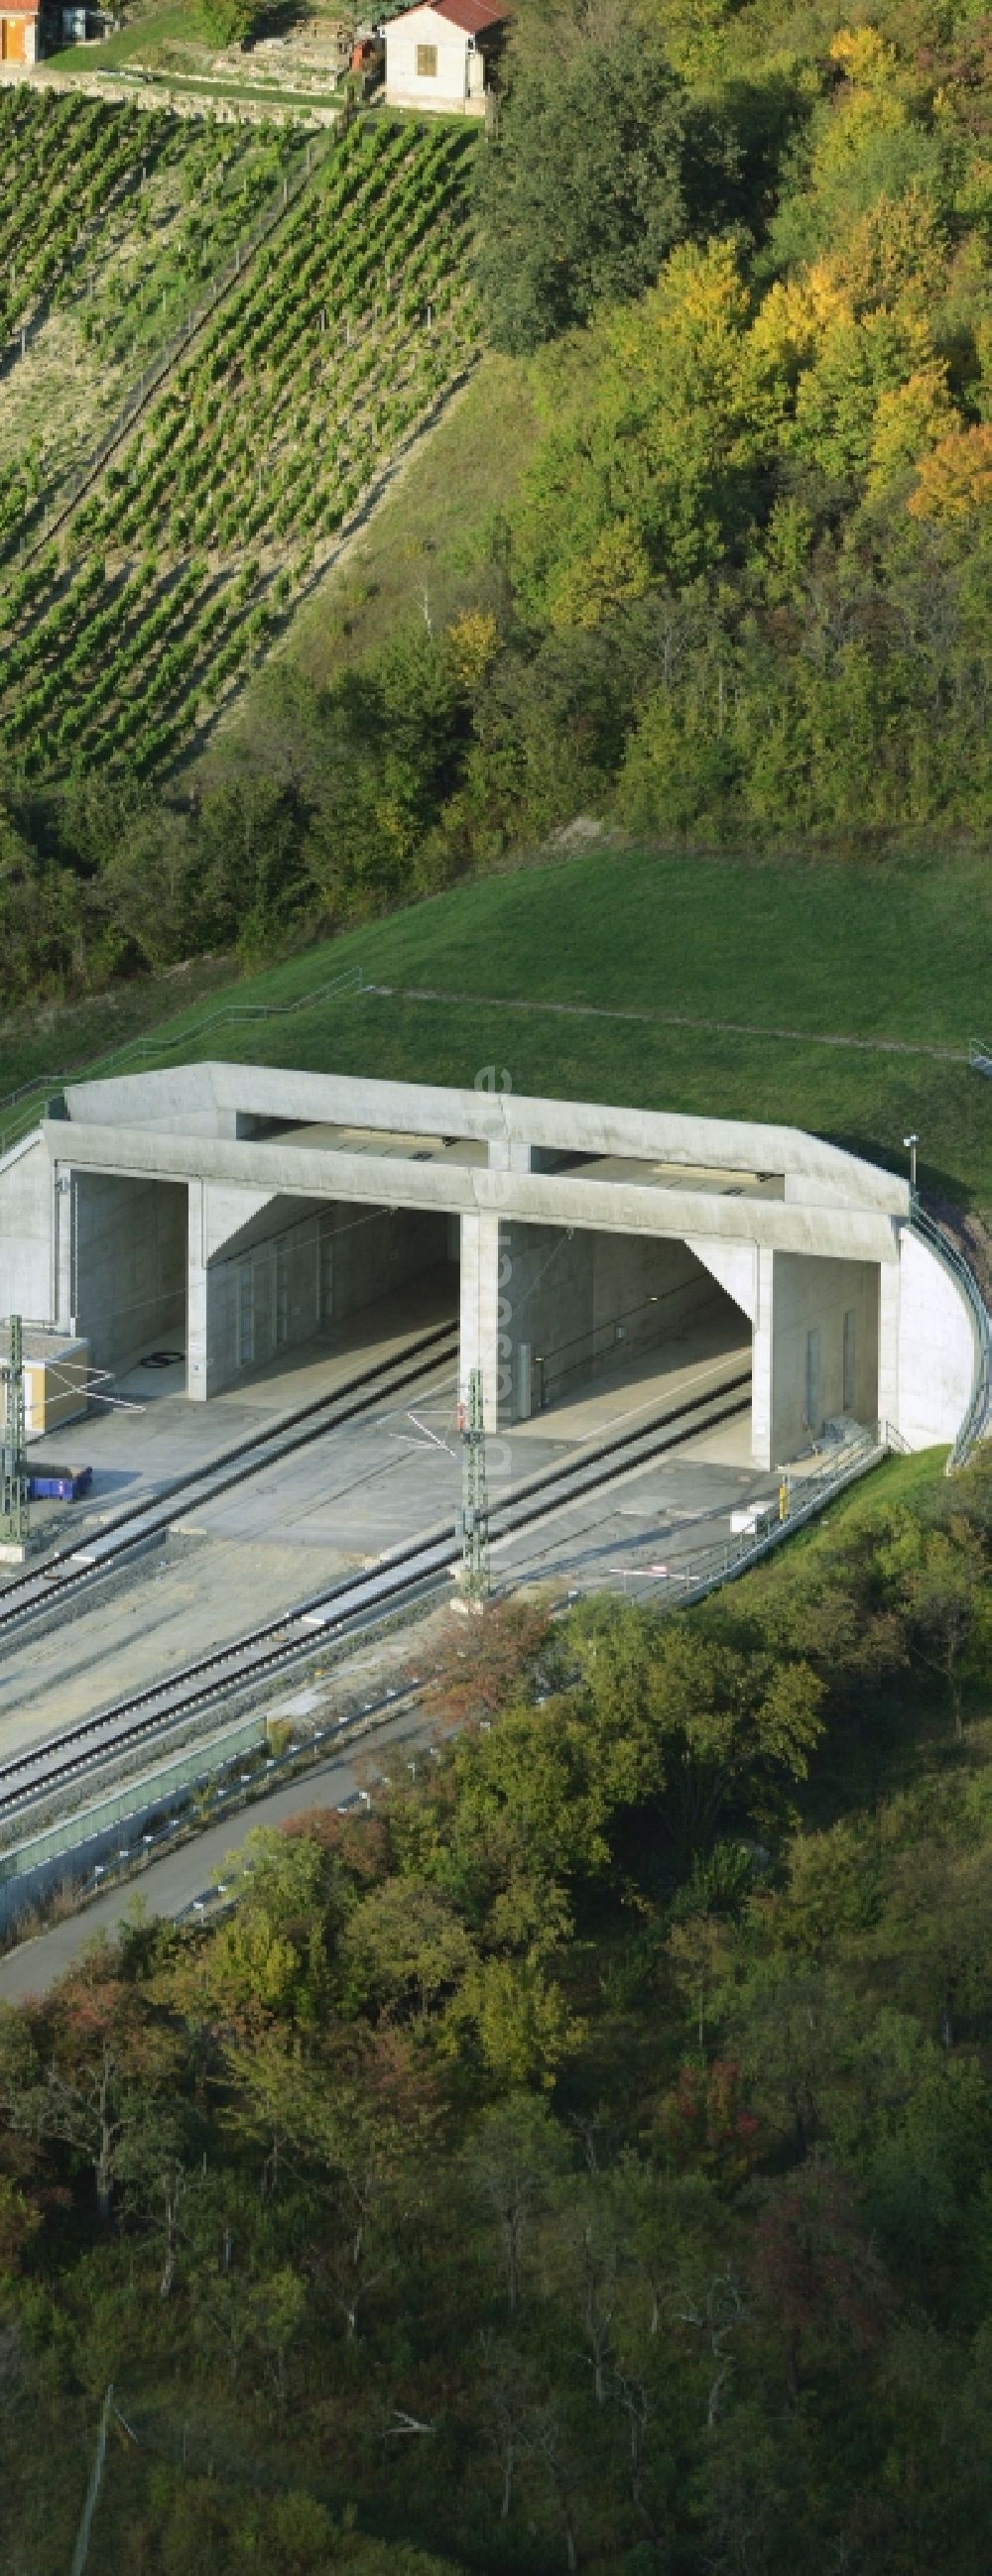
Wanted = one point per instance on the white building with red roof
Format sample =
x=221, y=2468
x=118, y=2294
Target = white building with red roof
x=442, y=55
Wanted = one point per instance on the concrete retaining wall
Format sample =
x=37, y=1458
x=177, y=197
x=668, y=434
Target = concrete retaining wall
x=936, y=1349
x=818, y=1327
x=26, y=1182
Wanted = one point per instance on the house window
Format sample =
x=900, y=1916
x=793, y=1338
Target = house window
x=427, y=62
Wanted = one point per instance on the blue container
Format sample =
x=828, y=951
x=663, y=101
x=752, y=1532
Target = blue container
x=50, y=1484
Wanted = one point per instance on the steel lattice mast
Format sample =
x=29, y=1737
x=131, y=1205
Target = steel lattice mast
x=13, y=1452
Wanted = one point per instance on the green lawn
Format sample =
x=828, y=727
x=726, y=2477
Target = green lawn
x=149, y=30
x=896, y=951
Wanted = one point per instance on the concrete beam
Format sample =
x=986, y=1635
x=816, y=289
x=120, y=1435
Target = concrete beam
x=532, y=1198
x=504, y=1119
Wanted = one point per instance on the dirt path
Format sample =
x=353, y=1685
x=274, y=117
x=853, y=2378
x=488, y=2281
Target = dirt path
x=667, y=1019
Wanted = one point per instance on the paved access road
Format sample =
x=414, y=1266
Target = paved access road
x=171, y=1884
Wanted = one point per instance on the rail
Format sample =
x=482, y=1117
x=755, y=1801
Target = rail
x=980, y=1056
x=974, y=1418
x=41, y=1587
x=209, y=1770
x=14, y=1130
x=346, y=1607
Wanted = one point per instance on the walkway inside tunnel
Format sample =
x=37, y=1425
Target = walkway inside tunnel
x=587, y=1316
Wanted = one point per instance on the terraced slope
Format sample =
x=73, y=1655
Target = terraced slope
x=116, y=643
x=113, y=223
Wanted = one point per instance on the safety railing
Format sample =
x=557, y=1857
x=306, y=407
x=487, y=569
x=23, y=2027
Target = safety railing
x=19, y=1111
x=980, y=1056
x=158, y=1789
x=799, y=1499
x=634, y=1329
x=974, y=1419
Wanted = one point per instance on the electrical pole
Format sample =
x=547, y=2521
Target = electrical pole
x=474, y=1515
x=13, y=1452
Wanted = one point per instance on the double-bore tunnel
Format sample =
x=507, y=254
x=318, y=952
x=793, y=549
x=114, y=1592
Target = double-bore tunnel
x=243, y=1284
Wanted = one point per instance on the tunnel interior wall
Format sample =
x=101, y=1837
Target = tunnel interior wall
x=573, y=1305
x=301, y=1267
x=824, y=1346
x=128, y=1265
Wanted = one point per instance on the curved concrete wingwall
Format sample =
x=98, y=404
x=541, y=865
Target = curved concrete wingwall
x=938, y=1350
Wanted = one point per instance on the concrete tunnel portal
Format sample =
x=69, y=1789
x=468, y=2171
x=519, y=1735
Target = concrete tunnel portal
x=248, y=1212
x=293, y=1276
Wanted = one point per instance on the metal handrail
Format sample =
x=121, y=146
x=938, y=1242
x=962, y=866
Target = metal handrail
x=350, y=980
x=727, y=1558
x=973, y=1420
x=613, y=1328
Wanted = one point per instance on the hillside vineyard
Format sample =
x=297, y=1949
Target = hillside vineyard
x=115, y=223
x=165, y=582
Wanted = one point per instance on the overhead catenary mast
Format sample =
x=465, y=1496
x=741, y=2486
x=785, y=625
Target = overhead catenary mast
x=474, y=1516
x=13, y=1450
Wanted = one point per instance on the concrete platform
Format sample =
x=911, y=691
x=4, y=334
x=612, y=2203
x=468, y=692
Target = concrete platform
x=685, y=1368
x=147, y=1431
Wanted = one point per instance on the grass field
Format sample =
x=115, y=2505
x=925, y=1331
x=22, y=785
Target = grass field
x=571, y=977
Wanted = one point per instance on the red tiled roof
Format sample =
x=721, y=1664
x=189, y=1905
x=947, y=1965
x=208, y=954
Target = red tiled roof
x=473, y=15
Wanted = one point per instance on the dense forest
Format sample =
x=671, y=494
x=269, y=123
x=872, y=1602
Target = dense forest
x=742, y=597
x=579, y=2160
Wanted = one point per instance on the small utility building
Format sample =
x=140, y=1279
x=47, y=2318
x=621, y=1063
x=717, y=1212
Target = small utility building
x=19, y=34
x=443, y=55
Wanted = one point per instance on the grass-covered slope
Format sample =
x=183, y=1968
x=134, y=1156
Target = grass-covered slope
x=666, y=982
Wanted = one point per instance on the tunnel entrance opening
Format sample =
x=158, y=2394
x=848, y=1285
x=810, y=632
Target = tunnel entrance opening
x=127, y=1288
x=588, y=1316
x=303, y=1280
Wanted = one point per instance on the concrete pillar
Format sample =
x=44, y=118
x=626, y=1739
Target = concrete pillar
x=63, y=1222
x=508, y=1154
x=761, y=1361
x=196, y=1296
x=485, y=1342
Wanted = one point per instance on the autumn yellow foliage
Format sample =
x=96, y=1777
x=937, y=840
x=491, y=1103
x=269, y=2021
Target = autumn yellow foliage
x=956, y=478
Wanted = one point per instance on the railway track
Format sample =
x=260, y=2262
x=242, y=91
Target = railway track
x=68, y=1570
x=401, y=1577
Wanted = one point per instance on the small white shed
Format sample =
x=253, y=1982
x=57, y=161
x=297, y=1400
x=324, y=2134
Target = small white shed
x=442, y=55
